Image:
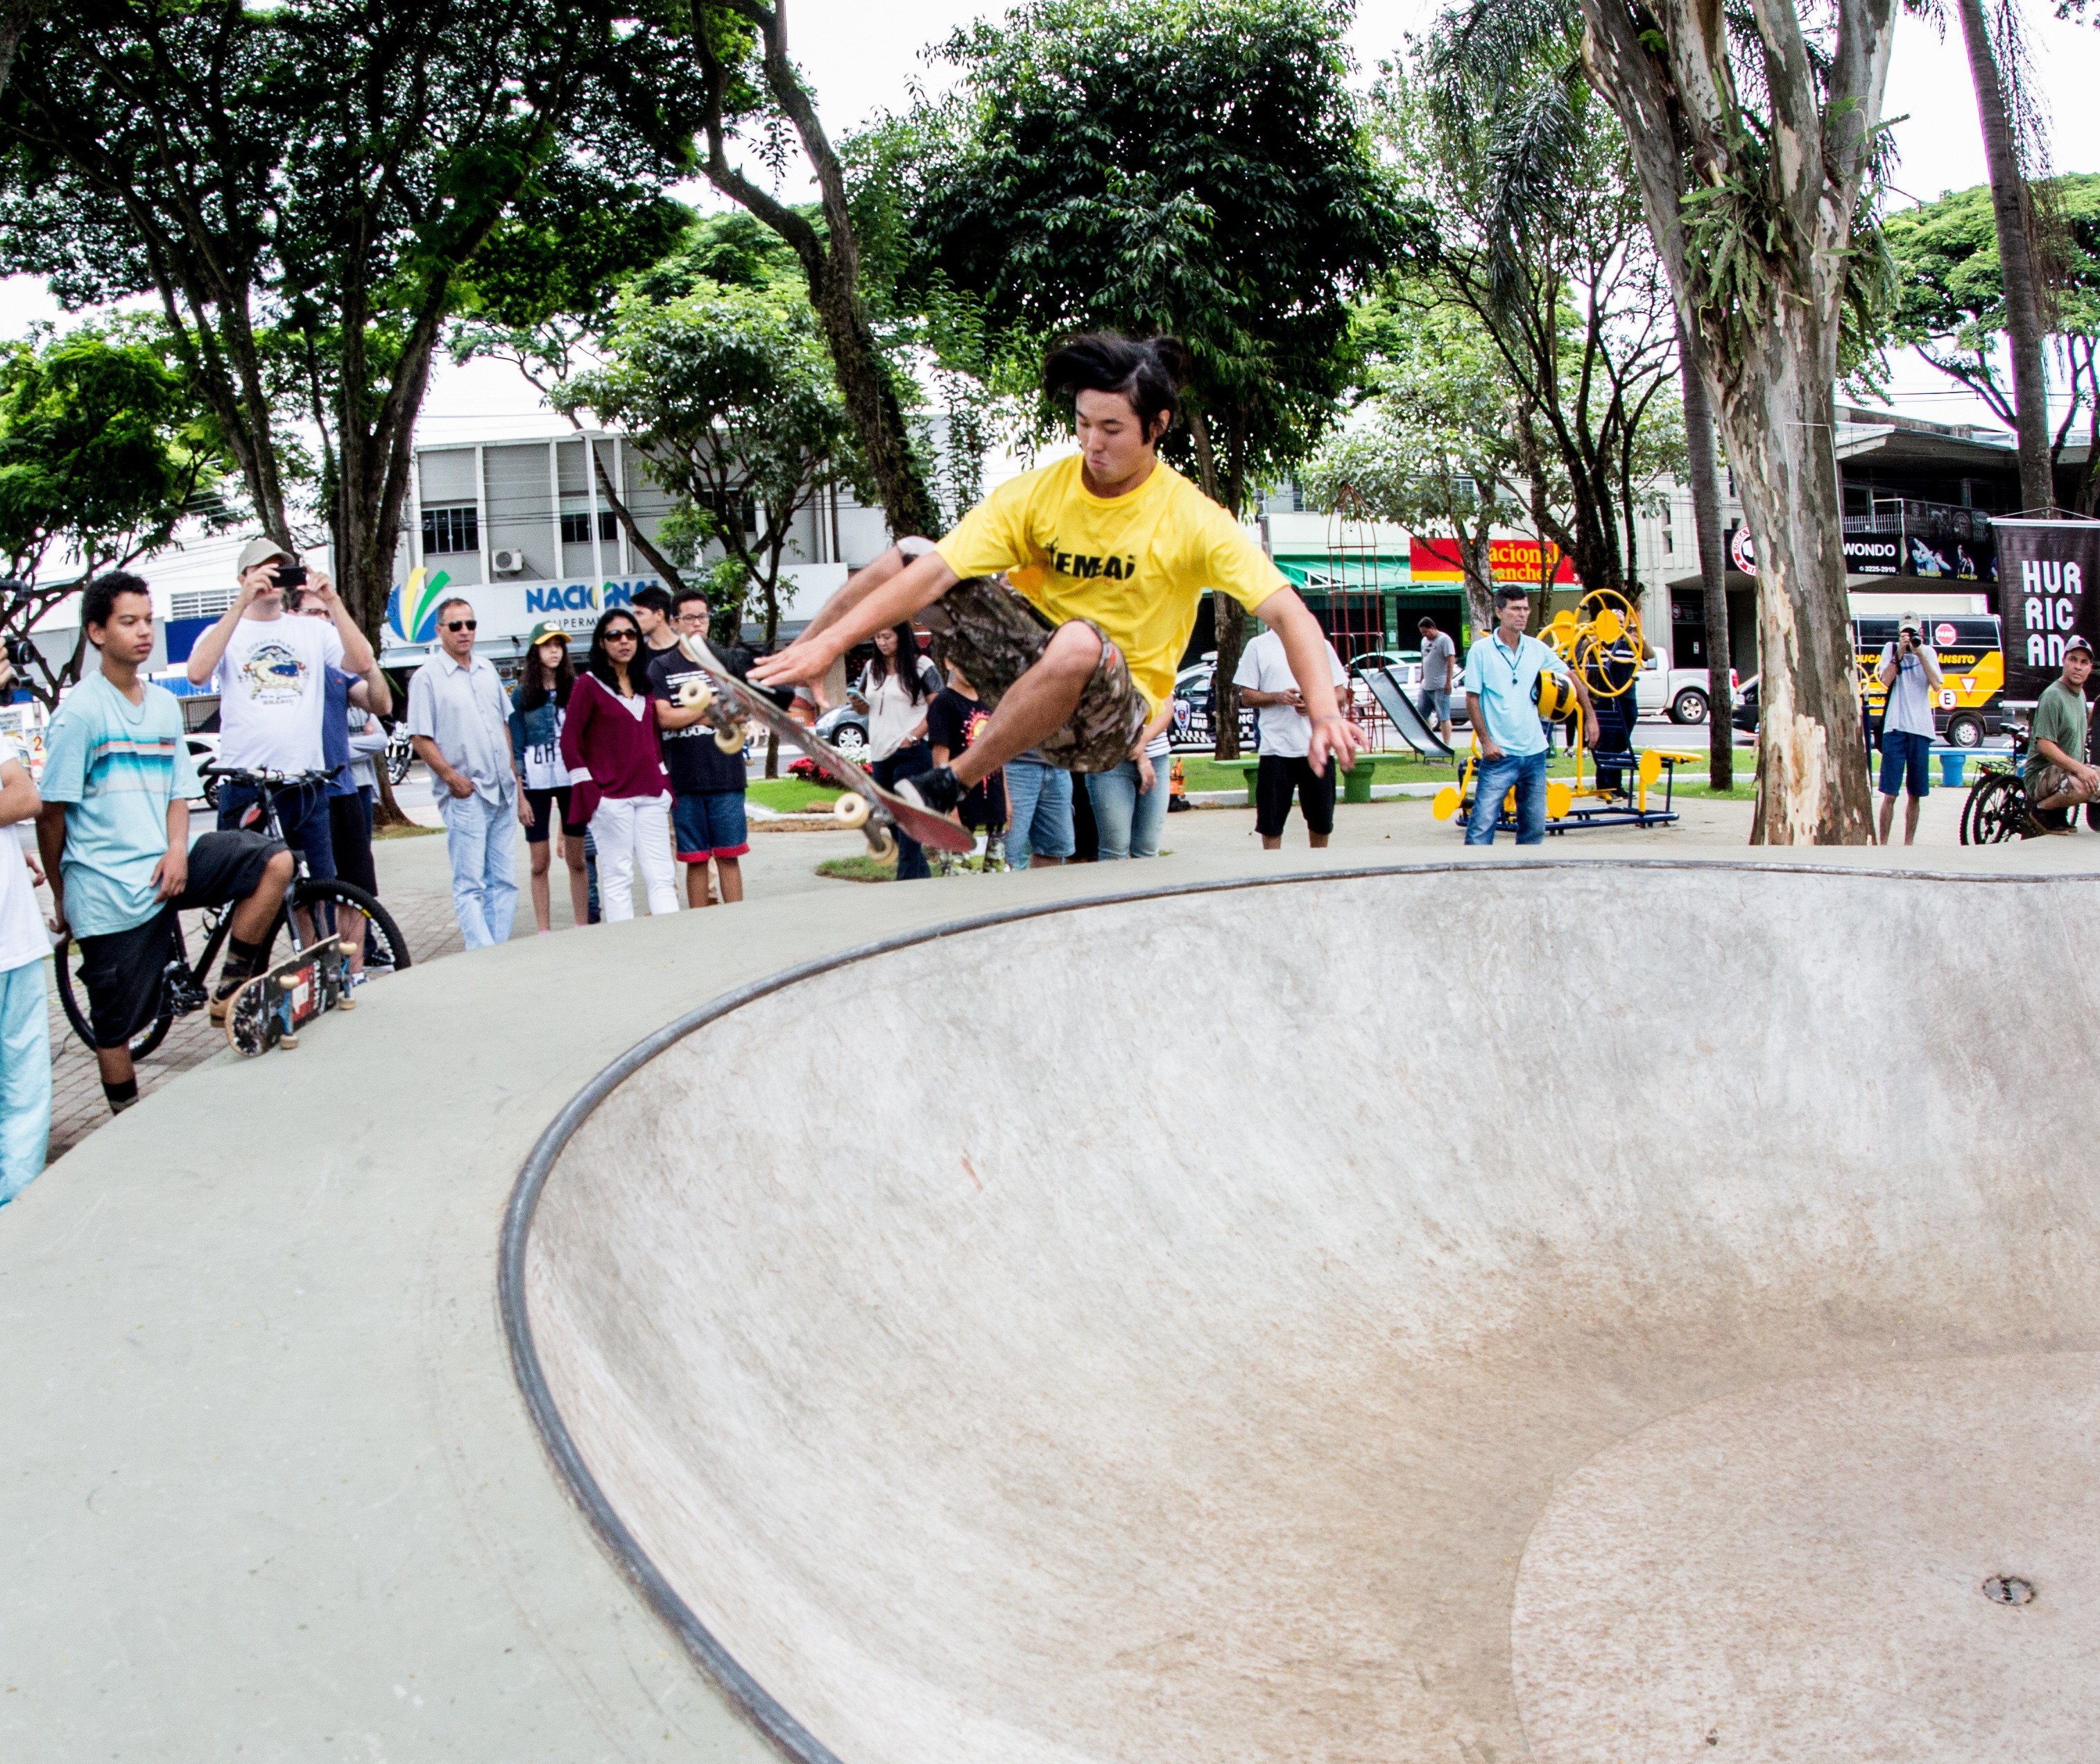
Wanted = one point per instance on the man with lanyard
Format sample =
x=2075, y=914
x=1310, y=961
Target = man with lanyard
x=1107, y=554
x=1503, y=673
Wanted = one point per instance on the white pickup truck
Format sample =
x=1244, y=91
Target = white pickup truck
x=1676, y=693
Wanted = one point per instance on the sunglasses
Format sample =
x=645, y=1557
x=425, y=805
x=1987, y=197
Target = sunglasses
x=462, y=625
x=623, y=637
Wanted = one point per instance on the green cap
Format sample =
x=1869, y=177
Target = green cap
x=546, y=631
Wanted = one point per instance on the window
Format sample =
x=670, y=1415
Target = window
x=451, y=529
x=201, y=603
x=742, y=507
x=575, y=528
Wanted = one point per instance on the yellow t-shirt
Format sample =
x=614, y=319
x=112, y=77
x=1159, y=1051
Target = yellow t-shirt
x=1134, y=564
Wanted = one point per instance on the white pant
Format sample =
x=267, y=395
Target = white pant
x=627, y=830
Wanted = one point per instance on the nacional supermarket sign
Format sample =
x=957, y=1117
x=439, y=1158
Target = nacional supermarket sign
x=1511, y=560
x=504, y=609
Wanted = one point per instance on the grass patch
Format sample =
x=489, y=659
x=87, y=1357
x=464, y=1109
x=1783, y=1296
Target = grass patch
x=791, y=796
x=405, y=829
x=860, y=868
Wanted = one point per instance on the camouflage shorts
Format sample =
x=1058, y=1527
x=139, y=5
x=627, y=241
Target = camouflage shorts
x=2051, y=780
x=994, y=636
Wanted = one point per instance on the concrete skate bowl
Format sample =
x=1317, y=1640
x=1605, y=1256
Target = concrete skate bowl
x=1571, y=1312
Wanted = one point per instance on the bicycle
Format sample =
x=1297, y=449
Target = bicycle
x=185, y=986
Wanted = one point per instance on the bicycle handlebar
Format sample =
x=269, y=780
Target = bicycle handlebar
x=266, y=780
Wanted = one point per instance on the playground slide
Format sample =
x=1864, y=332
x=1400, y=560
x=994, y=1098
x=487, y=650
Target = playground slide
x=1394, y=701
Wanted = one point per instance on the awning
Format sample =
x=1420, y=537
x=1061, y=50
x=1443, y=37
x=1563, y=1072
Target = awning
x=1327, y=574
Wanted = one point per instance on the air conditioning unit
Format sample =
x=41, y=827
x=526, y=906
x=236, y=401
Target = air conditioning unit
x=507, y=562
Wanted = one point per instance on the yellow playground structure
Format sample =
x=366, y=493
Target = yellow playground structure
x=1600, y=640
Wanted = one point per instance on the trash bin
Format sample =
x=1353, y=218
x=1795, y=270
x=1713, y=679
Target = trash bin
x=1356, y=780
x=1952, y=766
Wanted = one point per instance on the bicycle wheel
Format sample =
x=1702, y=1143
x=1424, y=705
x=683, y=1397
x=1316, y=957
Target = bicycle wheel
x=386, y=950
x=73, y=1000
x=1997, y=810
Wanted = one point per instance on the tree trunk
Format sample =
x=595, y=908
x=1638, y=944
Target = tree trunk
x=2012, y=207
x=1228, y=617
x=1705, y=474
x=386, y=812
x=1812, y=783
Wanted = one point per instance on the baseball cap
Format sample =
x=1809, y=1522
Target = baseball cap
x=2076, y=643
x=260, y=550
x=546, y=631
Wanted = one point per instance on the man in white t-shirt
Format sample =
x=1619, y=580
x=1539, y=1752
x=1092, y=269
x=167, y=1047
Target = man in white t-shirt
x=1909, y=673
x=271, y=672
x=25, y=1042
x=1269, y=687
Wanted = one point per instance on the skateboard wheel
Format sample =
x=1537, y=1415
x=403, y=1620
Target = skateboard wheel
x=288, y=1041
x=695, y=695
x=850, y=811
x=882, y=845
x=730, y=740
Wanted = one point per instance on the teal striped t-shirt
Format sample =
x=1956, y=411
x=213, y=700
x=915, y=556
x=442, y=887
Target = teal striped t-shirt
x=116, y=766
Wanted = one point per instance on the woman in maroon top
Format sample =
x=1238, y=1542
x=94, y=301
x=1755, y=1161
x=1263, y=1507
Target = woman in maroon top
x=616, y=775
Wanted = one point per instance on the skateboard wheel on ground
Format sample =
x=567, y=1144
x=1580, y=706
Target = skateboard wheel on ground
x=850, y=811
x=730, y=738
x=882, y=845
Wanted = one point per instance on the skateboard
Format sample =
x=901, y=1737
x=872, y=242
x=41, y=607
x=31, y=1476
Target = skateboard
x=270, y=1010
x=867, y=806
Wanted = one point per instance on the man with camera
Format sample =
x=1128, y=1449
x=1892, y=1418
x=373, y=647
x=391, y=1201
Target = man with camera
x=1909, y=674
x=270, y=673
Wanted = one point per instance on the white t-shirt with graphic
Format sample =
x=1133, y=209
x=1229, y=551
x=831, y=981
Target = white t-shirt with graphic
x=22, y=936
x=272, y=683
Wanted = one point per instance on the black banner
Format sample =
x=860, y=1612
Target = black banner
x=2048, y=573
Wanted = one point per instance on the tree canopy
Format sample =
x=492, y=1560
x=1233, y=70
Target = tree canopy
x=104, y=452
x=303, y=187
x=731, y=395
x=1950, y=297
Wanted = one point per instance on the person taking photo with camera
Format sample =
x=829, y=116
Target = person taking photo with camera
x=270, y=673
x=1909, y=673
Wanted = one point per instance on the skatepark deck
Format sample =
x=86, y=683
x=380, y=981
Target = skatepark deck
x=1303, y=1320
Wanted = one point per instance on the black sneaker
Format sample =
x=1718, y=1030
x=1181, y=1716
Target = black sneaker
x=937, y=789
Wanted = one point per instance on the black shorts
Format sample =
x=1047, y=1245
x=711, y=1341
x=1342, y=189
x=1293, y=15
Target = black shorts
x=350, y=832
x=1277, y=781
x=123, y=969
x=540, y=803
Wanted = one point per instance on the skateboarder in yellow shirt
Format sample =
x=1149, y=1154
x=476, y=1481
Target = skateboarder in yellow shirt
x=1103, y=557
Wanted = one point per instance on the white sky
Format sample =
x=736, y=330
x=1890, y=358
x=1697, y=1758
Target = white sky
x=861, y=59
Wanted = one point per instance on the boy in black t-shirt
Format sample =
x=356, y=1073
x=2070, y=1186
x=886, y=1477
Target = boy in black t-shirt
x=707, y=806
x=954, y=719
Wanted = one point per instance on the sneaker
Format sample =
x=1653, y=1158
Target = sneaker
x=936, y=790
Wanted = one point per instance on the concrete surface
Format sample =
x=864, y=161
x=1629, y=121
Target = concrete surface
x=1170, y=1351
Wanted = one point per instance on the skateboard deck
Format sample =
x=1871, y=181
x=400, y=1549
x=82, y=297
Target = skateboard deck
x=870, y=807
x=271, y=1009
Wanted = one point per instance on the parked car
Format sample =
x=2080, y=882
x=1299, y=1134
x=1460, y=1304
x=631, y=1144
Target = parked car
x=203, y=755
x=845, y=728
x=1192, y=727
x=1746, y=705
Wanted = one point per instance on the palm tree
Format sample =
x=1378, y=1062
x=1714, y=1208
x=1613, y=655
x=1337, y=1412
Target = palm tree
x=2013, y=151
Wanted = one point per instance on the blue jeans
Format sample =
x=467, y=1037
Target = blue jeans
x=25, y=1074
x=907, y=762
x=1492, y=782
x=303, y=813
x=481, y=838
x=1039, y=803
x=1128, y=821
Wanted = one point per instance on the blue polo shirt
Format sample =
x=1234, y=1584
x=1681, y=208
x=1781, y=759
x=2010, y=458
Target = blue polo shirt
x=1506, y=686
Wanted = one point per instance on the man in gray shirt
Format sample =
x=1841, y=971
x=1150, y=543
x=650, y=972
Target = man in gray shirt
x=1440, y=655
x=460, y=723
